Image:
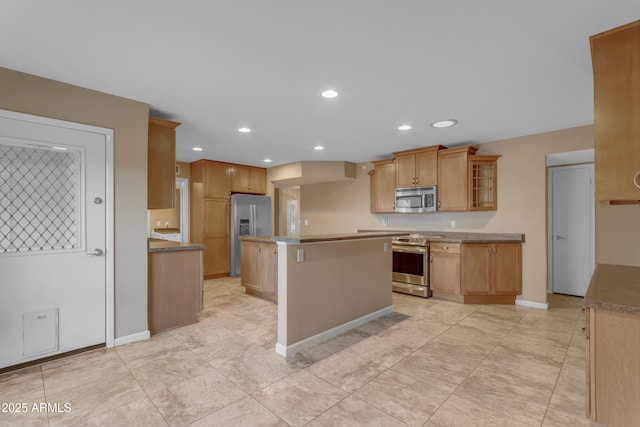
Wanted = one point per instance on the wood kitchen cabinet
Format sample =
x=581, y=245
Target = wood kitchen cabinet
x=259, y=268
x=615, y=56
x=215, y=178
x=491, y=272
x=217, y=256
x=248, y=179
x=418, y=167
x=444, y=270
x=612, y=350
x=383, y=186
x=209, y=215
x=467, y=182
x=612, y=367
x=453, y=172
x=483, y=183
x=161, y=164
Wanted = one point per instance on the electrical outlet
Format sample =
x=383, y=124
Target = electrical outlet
x=158, y=223
x=300, y=255
x=306, y=222
x=453, y=224
x=385, y=221
x=386, y=246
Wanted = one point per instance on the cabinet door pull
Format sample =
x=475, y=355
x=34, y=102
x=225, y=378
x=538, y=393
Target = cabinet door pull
x=635, y=179
x=275, y=249
x=259, y=248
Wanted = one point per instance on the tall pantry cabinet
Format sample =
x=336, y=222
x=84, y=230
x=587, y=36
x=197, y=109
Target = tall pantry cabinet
x=210, y=201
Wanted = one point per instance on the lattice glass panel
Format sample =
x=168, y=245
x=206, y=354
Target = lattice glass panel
x=39, y=199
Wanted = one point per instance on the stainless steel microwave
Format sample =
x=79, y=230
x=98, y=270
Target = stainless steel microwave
x=417, y=199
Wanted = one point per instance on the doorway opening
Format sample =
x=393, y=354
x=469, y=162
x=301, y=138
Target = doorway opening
x=571, y=222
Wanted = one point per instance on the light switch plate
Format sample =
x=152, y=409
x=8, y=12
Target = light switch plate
x=300, y=255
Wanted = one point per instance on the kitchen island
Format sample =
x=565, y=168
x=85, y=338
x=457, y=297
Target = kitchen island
x=612, y=350
x=328, y=284
x=174, y=284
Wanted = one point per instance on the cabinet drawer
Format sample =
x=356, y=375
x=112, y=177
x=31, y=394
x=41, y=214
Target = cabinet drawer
x=443, y=247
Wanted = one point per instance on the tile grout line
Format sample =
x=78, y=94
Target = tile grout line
x=555, y=385
x=141, y=388
x=477, y=366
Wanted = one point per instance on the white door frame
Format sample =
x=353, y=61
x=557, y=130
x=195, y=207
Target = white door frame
x=552, y=165
x=182, y=184
x=109, y=207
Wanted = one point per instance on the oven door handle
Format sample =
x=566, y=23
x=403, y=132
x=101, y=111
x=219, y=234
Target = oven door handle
x=408, y=250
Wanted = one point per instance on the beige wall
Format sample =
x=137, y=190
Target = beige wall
x=522, y=207
x=129, y=119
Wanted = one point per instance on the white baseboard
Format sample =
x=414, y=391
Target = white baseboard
x=288, y=351
x=532, y=304
x=144, y=335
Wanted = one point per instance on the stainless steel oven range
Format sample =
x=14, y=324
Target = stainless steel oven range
x=411, y=265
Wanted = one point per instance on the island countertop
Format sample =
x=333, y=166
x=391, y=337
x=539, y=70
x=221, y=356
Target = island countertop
x=169, y=246
x=615, y=288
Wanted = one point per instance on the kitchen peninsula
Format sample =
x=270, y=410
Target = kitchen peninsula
x=175, y=284
x=328, y=284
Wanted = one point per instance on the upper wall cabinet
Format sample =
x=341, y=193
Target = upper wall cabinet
x=161, y=164
x=453, y=175
x=418, y=167
x=616, y=87
x=483, y=183
x=248, y=179
x=383, y=186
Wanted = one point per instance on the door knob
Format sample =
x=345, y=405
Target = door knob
x=559, y=237
x=96, y=252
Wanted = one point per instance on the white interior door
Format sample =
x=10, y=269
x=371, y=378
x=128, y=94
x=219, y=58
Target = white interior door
x=52, y=240
x=571, y=228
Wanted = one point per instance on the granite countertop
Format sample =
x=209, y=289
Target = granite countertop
x=322, y=237
x=461, y=237
x=259, y=239
x=614, y=288
x=336, y=237
x=168, y=246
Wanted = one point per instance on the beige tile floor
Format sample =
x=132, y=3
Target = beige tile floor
x=430, y=363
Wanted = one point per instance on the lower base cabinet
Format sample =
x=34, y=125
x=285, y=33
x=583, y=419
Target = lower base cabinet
x=259, y=269
x=476, y=273
x=612, y=350
x=444, y=269
x=492, y=272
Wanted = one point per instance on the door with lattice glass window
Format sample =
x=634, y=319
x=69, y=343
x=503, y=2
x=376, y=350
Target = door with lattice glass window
x=52, y=239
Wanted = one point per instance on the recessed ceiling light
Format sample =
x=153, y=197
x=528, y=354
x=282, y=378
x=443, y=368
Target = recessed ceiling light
x=330, y=93
x=319, y=147
x=197, y=148
x=244, y=130
x=268, y=160
x=404, y=127
x=444, y=123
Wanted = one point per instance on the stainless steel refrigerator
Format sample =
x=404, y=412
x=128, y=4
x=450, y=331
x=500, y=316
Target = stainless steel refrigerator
x=250, y=216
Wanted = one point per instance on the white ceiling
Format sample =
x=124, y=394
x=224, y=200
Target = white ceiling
x=502, y=68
